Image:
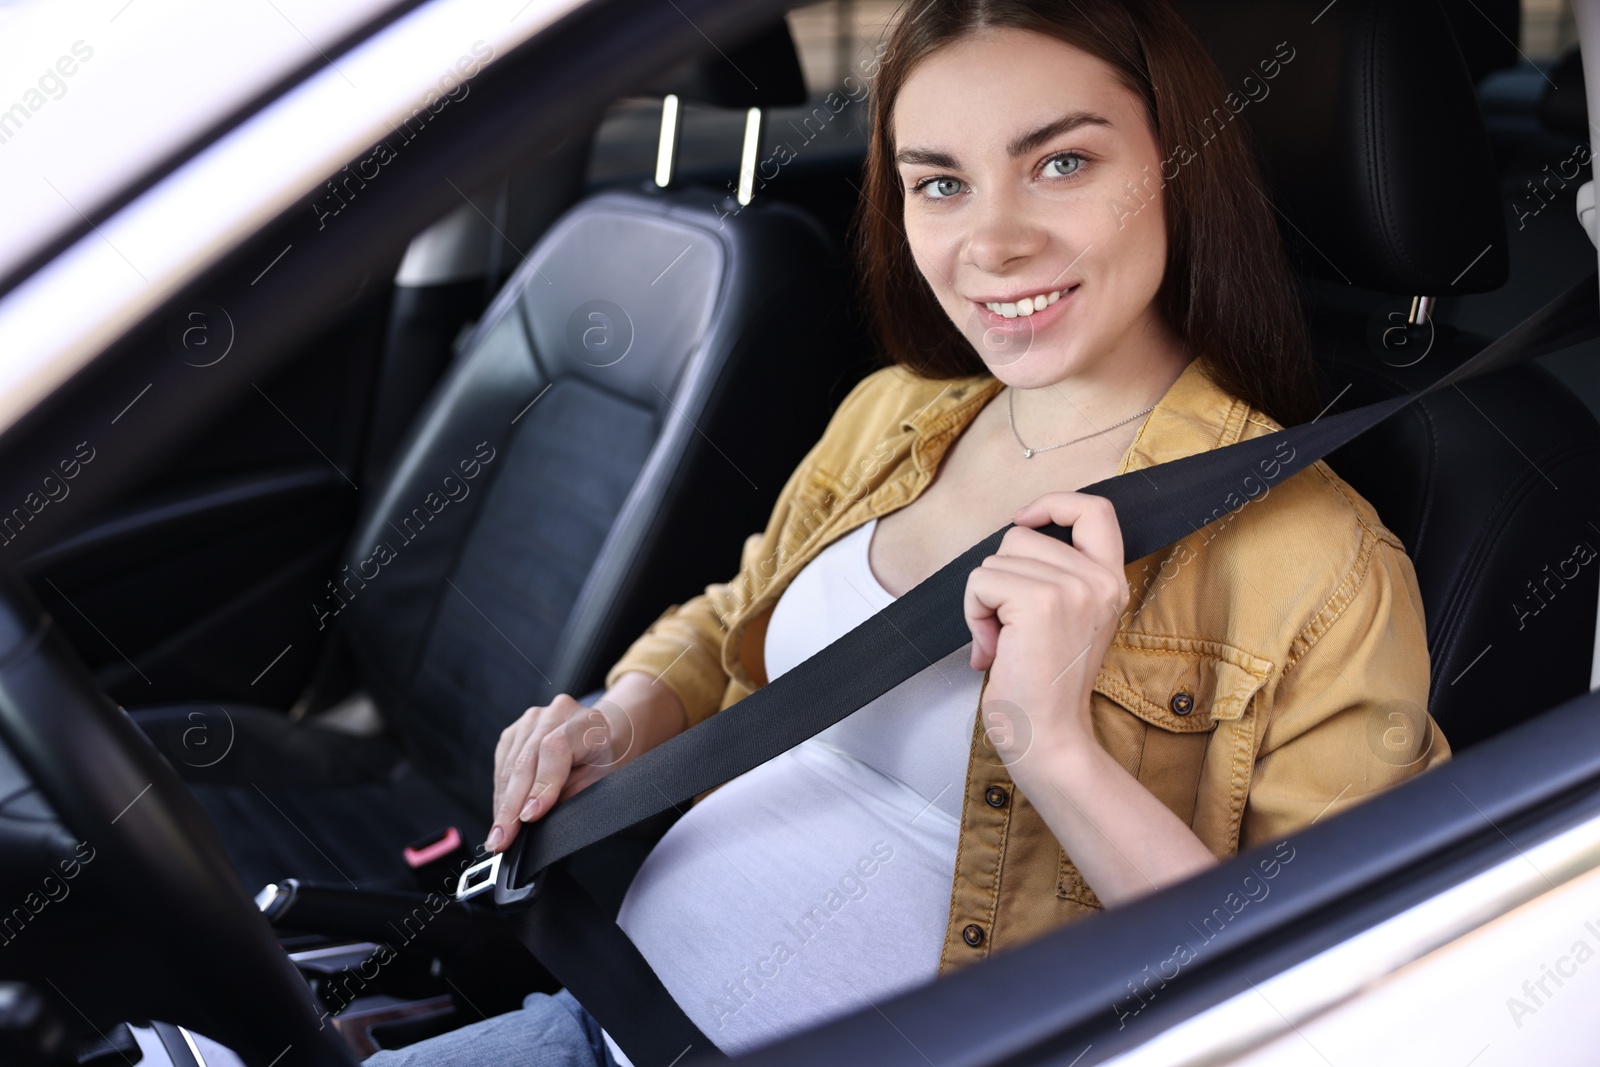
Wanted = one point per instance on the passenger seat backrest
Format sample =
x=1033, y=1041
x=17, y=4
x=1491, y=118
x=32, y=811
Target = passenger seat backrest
x=620, y=419
x=1377, y=163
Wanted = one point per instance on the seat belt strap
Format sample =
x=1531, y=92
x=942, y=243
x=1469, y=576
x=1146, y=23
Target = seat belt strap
x=593, y=958
x=1155, y=507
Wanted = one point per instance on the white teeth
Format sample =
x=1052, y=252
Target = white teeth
x=1026, y=306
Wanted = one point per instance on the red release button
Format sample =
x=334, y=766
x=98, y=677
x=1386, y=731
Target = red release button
x=419, y=857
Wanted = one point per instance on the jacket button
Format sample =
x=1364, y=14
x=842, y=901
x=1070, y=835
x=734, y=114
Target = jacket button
x=996, y=796
x=973, y=935
x=1182, y=703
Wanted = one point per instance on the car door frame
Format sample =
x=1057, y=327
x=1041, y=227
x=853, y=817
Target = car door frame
x=1365, y=865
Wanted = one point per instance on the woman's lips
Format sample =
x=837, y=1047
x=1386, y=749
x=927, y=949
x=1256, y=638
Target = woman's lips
x=1025, y=324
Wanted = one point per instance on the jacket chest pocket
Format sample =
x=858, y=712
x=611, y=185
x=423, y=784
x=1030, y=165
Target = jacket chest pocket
x=1175, y=712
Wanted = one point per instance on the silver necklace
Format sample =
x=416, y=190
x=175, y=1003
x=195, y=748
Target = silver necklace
x=1029, y=453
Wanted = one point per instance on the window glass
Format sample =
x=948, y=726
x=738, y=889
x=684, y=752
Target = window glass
x=837, y=40
x=1548, y=28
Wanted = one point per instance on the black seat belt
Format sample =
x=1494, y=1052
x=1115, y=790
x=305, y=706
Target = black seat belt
x=1155, y=507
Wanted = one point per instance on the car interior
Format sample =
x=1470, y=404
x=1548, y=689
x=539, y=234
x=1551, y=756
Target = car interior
x=557, y=408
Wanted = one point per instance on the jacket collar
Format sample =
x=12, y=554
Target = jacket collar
x=1194, y=415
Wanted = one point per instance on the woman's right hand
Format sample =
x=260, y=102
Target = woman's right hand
x=552, y=751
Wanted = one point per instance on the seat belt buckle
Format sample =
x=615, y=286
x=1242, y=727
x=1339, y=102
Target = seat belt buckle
x=435, y=859
x=479, y=878
x=430, y=850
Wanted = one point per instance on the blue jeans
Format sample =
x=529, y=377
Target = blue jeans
x=547, y=1031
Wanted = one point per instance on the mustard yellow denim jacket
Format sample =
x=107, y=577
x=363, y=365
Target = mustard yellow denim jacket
x=1271, y=668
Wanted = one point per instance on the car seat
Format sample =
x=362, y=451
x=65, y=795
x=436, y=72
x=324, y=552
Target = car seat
x=622, y=416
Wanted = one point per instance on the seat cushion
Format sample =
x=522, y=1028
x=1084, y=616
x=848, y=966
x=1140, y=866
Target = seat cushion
x=338, y=833
x=293, y=799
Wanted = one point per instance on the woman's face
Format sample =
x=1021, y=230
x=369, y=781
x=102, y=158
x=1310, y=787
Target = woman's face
x=1016, y=152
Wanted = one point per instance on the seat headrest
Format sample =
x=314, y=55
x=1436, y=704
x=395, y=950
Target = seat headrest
x=1375, y=151
x=762, y=71
x=1487, y=31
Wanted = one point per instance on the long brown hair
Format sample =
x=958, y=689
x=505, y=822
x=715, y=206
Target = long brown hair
x=1228, y=290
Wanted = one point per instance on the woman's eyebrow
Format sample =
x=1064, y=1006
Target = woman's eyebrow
x=1020, y=145
x=1066, y=123
x=926, y=157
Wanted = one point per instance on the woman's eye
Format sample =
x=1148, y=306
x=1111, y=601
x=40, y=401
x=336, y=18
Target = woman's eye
x=938, y=188
x=1063, y=166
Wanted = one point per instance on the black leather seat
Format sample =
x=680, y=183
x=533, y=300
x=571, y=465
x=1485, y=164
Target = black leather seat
x=622, y=416
x=1377, y=162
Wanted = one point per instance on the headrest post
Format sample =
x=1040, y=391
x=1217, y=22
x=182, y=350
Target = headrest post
x=1421, y=310
x=667, y=149
x=748, y=154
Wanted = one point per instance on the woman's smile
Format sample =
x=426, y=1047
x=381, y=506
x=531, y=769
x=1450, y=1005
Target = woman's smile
x=1028, y=313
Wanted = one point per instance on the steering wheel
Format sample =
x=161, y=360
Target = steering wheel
x=129, y=907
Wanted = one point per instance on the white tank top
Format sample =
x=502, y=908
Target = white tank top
x=818, y=882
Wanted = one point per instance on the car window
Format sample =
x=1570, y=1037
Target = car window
x=76, y=105
x=1548, y=28
x=837, y=41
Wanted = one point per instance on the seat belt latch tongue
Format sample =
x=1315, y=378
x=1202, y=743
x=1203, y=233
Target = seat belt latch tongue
x=479, y=878
x=499, y=873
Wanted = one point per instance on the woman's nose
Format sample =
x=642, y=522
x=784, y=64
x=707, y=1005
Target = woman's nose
x=1003, y=232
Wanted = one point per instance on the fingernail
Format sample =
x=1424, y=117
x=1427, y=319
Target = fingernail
x=530, y=807
x=493, y=844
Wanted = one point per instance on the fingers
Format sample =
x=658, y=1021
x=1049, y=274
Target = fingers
x=1067, y=588
x=1095, y=529
x=510, y=743
x=511, y=746
x=533, y=761
x=1076, y=582
x=983, y=621
x=552, y=764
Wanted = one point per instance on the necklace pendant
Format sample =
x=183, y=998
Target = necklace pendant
x=1027, y=453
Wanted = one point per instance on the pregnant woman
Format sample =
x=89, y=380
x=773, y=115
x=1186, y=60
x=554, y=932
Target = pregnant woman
x=1074, y=275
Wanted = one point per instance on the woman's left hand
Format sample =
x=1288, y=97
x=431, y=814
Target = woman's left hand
x=1042, y=614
